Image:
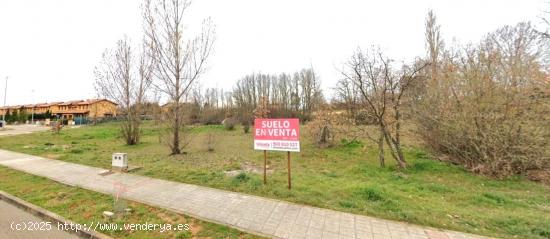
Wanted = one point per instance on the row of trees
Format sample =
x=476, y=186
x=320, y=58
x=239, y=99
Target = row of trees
x=17, y=116
x=23, y=116
x=168, y=61
x=288, y=95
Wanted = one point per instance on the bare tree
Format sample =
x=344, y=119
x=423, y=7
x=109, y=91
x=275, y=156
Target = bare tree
x=347, y=96
x=123, y=78
x=180, y=61
x=434, y=44
x=310, y=91
x=382, y=91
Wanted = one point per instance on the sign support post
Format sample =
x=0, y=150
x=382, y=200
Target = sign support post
x=265, y=163
x=289, y=178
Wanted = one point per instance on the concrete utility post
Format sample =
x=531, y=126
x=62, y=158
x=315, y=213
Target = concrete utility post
x=5, y=93
x=32, y=115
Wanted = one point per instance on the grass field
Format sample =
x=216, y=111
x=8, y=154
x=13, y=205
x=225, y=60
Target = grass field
x=83, y=206
x=345, y=178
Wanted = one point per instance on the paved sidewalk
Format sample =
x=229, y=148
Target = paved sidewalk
x=256, y=215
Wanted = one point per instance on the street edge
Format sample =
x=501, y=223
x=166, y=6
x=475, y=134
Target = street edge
x=48, y=216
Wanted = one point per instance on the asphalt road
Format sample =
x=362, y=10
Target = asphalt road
x=12, y=217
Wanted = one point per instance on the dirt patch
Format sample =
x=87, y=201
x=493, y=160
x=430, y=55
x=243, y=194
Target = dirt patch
x=87, y=214
x=165, y=217
x=233, y=173
x=52, y=156
x=249, y=168
x=195, y=228
x=257, y=169
x=542, y=176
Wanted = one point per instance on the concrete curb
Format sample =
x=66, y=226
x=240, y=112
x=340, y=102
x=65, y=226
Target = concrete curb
x=48, y=216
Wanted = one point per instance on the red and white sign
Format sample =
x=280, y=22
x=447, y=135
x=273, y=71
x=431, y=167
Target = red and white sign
x=277, y=134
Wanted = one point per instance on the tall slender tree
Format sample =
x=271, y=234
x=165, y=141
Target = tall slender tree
x=434, y=44
x=180, y=61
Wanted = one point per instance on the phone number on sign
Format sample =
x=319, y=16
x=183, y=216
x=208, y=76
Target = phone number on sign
x=285, y=145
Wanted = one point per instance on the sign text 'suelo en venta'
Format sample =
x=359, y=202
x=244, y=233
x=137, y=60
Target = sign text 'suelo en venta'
x=277, y=134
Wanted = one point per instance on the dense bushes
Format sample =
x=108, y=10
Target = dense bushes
x=229, y=123
x=489, y=106
x=22, y=116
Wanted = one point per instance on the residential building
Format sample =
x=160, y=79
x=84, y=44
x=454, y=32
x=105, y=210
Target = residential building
x=91, y=108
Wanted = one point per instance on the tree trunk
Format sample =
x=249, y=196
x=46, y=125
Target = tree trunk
x=176, y=128
x=176, y=139
x=324, y=135
x=397, y=141
x=395, y=150
x=402, y=161
x=381, y=149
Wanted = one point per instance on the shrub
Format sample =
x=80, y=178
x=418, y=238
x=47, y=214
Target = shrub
x=364, y=118
x=210, y=142
x=243, y=177
x=56, y=126
x=321, y=128
x=211, y=115
x=246, y=127
x=229, y=123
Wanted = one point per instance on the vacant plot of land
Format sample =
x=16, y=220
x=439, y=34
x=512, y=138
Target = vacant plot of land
x=345, y=178
x=85, y=207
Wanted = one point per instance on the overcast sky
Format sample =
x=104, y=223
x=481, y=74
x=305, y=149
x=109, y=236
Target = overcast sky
x=51, y=47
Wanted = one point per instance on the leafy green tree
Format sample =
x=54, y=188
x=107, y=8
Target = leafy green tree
x=23, y=116
x=14, y=117
x=48, y=115
x=8, y=116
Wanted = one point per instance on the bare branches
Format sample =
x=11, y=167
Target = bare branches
x=179, y=61
x=288, y=95
x=546, y=22
x=380, y=89
x=125, y=80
